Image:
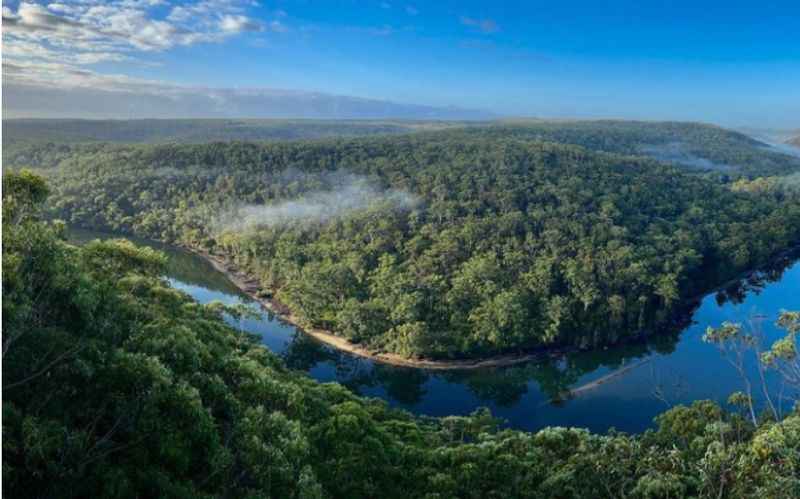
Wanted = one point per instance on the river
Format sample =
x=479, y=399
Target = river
x=669, y=369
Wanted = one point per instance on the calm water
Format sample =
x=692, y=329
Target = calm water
x=679, y=367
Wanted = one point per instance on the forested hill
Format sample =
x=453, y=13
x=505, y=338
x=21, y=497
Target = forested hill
x=698, y=146
x=442, y=244
x=27, y=131
x=115, y=384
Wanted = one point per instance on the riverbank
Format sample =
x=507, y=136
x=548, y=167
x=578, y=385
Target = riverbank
x=528, y=396
x=250, y=286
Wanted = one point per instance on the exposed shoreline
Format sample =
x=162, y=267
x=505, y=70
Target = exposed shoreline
x=249, y=286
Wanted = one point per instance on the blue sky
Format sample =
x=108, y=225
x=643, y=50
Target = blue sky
x=730, y=62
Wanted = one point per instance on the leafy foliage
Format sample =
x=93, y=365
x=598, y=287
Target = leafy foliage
x=514, y=244
x=696, y=145
x=117, y=385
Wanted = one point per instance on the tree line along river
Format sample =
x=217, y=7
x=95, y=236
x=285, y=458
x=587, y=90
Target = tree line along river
x=620, y=387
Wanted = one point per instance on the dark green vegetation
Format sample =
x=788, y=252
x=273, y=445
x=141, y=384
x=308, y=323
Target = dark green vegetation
x=116, y=385
x=702, y=147
x=510, y=244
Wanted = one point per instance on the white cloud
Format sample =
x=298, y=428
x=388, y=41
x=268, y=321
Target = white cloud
x=54, y=41
x=62, y=8
x=238, y=23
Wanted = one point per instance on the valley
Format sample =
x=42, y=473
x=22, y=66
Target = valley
x=453, y=245
x=400, y=250
x=590, y=389
x=489, y=289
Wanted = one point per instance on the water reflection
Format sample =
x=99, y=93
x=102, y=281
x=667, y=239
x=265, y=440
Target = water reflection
x=554, y=376
x=678, y=366
x=182, y=266
x=737, y=292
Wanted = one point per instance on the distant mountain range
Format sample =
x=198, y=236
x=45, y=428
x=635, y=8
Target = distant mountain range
x=794, y=141
x=158, y=131
x=24, y=101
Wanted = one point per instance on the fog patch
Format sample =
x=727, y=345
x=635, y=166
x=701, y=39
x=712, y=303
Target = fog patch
x=786, y=149
x=677, y=153
x=774, y=141
x=344, y=194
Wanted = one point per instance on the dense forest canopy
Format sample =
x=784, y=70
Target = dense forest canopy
x=465, y=242
x=117, y=385
x=703, y=148
x=698, y=146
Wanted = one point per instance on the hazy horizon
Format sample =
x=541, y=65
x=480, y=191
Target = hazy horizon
x=732, y=65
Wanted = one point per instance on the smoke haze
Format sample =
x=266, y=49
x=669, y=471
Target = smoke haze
x=348, y=194
x=678, y=154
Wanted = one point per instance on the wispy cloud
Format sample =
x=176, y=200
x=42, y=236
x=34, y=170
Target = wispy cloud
x=483, y=25
x=238, y=23
x=55, y=42
x=411, y=10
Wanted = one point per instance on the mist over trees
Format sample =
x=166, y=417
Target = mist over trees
x=512, y=243
x=692, y=145
x=115, y=384
x=343, y=194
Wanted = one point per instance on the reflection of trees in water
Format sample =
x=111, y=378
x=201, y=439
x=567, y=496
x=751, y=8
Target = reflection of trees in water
x=503, y=386
x=554, y=376
x=405, y=385
x=506, y=386
x=402, y=384
x=181, y=265
x=191, y=269
x=303, y=353
x=737, y=291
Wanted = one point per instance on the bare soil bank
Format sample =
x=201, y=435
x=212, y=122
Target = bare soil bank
x=250, y=286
